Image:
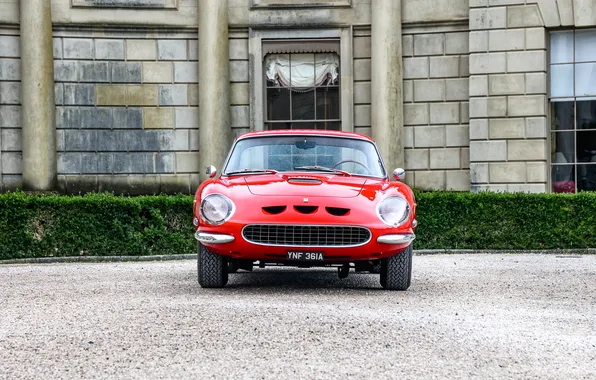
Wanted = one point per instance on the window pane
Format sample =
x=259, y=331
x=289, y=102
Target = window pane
x=561, y=47
x=585, y=45
x=586, y=146
x=562, y=116
x=291, y=95
x=331, y=126
x=304, y=125
x=561, y=80
x=327, y=103
x=562, y=147
x=271, y=126
x=586, y=177
x=585, y=79
x=586, y=114
x=563, y=179
x=303, y=105
x=278, y=104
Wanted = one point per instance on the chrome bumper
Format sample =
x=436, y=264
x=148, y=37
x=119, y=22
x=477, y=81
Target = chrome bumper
x=396, y=239
x=206, y=237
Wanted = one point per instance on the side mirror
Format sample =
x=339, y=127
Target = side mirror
x=211, y=171
x=399, y=174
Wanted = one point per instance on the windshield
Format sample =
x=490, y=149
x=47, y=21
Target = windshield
x=336, y=155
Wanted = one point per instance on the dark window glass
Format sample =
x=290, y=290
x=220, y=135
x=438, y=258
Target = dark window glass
x=586, y=114
x=562, y=116
x=303, y=105
x=586, y=146
x=331, y=125
x=563, y=147
x=327, y=103
x=304, y=125
x=278, y=104
x=586, y=177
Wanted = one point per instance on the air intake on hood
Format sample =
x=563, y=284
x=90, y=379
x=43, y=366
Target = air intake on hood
x=274, y=210
x=337, y=211
x=306, y=209
x=312, y=181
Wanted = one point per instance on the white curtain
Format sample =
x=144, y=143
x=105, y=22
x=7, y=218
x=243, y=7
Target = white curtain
x=303, y=71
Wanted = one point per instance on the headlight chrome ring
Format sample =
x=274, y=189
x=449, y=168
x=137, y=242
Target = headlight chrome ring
x=216, y=209
x=393, y=211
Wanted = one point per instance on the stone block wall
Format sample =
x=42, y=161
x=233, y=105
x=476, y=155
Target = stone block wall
x=10, y=110
x=435, y=93
x=435, y=69
x=126, y=110
x=508, y=89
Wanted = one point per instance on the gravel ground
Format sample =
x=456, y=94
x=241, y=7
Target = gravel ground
x=465, y=316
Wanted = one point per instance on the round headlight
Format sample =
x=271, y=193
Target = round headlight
x=393, y=211
x=216, y=209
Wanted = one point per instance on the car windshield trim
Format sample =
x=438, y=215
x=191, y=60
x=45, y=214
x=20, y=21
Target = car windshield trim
x=380, y=160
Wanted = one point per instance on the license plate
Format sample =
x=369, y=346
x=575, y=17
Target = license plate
x=305, y=256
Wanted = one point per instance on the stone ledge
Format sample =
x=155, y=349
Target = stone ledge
x=154, y=4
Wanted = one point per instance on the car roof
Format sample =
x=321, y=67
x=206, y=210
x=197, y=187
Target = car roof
x=305, y=132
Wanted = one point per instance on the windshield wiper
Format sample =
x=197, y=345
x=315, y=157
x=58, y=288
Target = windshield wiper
x=322, y=169
x=252, y=171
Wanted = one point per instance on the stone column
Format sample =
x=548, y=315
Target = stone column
x=37, y=96
x=215, y=133
x=386, y=82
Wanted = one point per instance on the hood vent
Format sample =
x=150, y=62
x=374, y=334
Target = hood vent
x=307, y=180
x=337, y=211
x=274, y=210
x=306, y=209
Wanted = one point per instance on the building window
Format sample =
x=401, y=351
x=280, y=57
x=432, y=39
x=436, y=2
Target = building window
x=573, y=110
x=302, y=91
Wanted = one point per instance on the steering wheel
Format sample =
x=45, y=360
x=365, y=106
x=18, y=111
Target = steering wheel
x=354, y=161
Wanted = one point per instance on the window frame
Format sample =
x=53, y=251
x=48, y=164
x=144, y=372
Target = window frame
x=258, y=83
x=574, y=98
x=291, y=120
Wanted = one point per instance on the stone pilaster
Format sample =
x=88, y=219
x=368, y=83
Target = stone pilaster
x=215, y=132
x=386, y=80
x=37, y=96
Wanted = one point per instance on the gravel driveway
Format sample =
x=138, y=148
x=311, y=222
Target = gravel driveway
x=465, y=316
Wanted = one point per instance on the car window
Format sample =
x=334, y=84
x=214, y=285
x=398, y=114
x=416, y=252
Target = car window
x=290, y=153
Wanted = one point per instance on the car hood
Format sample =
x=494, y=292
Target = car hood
x=305, y=185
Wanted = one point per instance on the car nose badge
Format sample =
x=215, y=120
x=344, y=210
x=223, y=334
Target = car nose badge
x=305, y=200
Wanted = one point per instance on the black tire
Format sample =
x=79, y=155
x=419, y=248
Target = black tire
x=212, y=268
x=396, y=271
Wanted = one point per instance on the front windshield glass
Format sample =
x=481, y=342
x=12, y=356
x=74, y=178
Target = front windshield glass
x=305, y=153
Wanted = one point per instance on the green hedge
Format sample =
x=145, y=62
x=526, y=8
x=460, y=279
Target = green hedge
x=94, y=225
x=505, y=221
x=105, y=225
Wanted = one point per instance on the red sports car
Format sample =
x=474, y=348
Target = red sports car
x=305, y=198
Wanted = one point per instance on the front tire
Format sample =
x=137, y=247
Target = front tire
x=212, y=268
x=396, y=271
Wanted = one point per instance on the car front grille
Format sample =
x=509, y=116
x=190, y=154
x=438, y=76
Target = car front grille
x=306, y=235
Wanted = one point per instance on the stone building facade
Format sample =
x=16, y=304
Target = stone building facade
x=138, y=96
